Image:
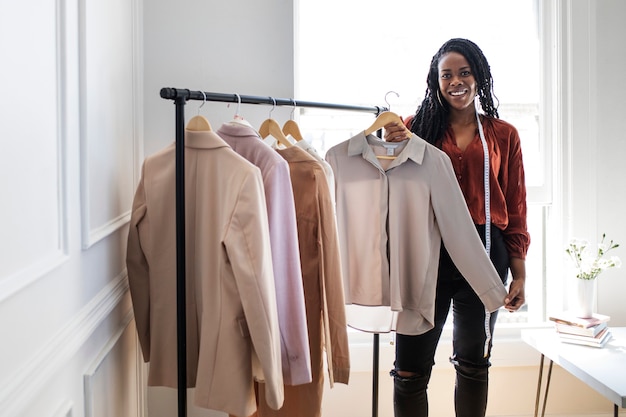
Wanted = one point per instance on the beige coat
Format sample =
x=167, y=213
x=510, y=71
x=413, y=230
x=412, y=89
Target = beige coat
x=391, y=222
x=231, y=302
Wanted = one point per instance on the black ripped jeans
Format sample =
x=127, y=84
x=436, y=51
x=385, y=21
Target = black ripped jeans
x=416, y=354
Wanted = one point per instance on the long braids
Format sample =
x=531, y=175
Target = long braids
x=431, y=119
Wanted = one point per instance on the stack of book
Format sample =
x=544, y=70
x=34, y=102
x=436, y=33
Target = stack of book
x=590, y=331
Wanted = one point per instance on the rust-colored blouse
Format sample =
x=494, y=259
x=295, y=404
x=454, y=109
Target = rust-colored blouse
x=507, y=185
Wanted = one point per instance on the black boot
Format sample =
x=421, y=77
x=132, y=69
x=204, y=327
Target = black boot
x=409, y=395
x=470, y=391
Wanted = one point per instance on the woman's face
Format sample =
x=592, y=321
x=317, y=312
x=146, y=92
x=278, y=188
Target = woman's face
x=456, y=81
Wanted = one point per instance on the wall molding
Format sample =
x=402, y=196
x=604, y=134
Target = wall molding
x=64, y=410
x=24, y=385
x=90, y=375
x=92, y=236
x=21, y=279
x=118, y=185
x=62, y=126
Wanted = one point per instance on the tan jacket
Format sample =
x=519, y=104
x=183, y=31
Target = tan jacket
x=323, y=286
x=231, y=302
x=391, y=222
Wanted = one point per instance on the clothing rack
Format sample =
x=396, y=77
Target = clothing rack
x=180, y=97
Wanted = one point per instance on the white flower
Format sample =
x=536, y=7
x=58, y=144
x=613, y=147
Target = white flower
x=617, y=262
x=588, y=264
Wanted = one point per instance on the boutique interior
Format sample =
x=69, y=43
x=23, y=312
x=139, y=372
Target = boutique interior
x=109, y=187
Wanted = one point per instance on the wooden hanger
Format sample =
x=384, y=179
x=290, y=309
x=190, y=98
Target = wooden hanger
x=199, y=123
x=291, y=127
x=271, y=127
x=383, y=119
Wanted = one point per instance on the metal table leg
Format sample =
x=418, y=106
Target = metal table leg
x=545, y=395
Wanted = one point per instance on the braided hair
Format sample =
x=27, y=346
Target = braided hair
x=431, y=119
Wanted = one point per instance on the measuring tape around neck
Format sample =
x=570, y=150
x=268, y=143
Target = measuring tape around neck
x=486, y=183
x=487, y=219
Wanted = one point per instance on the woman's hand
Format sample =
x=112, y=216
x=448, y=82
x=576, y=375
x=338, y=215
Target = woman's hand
x=517, y=296
x=396, y=132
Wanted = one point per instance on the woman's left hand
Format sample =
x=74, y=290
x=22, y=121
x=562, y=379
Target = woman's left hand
x=516, y=297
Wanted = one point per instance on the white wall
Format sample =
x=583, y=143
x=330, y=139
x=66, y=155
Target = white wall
x=599, y=160
x=243, y=47
x=69, y=149
x=592, y=142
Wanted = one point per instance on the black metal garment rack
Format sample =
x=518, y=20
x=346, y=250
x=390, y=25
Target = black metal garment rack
x=180, y=97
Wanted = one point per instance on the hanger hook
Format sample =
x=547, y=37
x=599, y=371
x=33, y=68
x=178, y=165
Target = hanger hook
x=389, y=92
x=238, y=104
x=294, y=108
x=204, y=101
x=273, y=107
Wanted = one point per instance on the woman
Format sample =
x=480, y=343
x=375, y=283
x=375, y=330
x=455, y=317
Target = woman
x=448, y=119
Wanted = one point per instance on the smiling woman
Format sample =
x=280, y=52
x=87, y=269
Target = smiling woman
x=328, y=69
x=486, y=156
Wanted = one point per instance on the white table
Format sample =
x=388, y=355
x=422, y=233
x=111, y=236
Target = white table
x=603, y=369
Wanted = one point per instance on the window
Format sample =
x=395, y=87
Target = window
x=357, y=51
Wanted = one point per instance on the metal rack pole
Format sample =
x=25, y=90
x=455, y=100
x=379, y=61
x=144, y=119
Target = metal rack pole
x=181, y=313
x=175, y=93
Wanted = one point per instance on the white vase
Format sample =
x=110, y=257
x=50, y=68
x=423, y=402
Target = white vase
x=586, y=296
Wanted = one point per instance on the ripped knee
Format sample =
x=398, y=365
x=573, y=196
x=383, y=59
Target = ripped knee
x=403, y=375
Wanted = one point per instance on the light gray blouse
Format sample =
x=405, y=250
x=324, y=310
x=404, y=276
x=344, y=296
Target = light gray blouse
x=391, y=221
